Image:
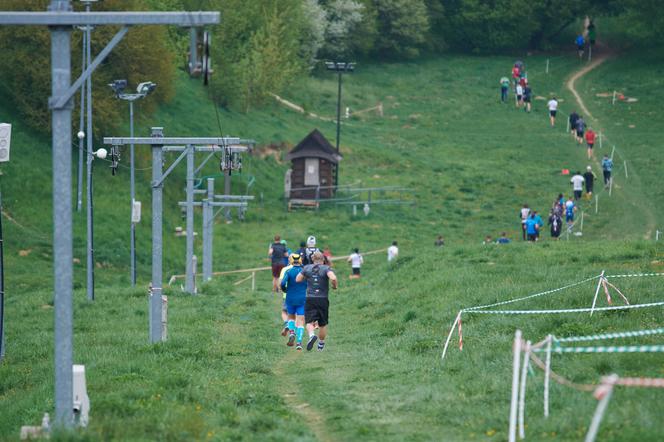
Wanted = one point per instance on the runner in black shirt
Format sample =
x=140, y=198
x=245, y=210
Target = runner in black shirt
x=318, y=277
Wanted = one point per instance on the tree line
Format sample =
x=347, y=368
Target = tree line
x=262, y=45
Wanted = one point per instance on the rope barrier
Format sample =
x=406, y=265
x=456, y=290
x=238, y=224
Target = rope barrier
x=470, y=309
x=572, y=310
x=560, y=379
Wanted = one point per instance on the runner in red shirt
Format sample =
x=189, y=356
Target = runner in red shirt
x=516, y=74
x=590, y=140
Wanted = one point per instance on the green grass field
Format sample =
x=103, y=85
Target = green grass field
x=225, y=373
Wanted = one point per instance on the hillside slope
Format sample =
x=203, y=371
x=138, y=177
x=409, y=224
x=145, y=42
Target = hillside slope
x=225, y=373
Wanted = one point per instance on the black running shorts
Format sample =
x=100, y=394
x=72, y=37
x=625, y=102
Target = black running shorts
x=316, y=310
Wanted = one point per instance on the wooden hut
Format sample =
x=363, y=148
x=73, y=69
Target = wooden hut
x=313, y=164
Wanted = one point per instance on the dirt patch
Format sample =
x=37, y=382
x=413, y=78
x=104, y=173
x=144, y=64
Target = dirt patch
x=273, y=150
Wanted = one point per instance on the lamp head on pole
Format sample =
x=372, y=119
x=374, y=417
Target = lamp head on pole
x=339, y=66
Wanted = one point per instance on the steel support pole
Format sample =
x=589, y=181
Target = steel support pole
x=2, y=287
x=62, y=222
x=193, y=49
x=132, y=191
x=208, y=223
x=336, y=169
x=79, y=187
x=157, y=249
x=227, y=191
x=90, y=230
x=189, y=281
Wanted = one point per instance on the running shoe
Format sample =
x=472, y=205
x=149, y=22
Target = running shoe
x=321, y=346
x=291, y=340
x=299, y=346
x=312, y=341
x=284, y=332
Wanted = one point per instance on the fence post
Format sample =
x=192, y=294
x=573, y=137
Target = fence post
x=599, y=284
x=547, y=375
x=596, y=203
x=613, y=102
x=547, y=65
x=625, y=163
x=253, y=281
x=522, y=391
x=581, y=227
x=607, y=385
x=516, y=349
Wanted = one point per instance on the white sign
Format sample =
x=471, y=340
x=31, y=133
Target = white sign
x=136, y=212
x=5, y=141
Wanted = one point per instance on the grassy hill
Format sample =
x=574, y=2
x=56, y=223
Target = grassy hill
x=224, y=372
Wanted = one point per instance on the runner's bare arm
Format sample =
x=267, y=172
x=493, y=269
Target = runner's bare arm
x=299, y=277
x=333, y=279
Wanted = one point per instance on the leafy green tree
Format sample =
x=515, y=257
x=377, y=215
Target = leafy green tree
x=257, y=50
x=142, y=55
x=403, y=27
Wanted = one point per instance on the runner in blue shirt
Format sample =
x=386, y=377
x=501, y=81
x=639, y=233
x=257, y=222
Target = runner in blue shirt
x=570, y=208
x=531, y=228
x=296, y=294
x=607, y=167
x=580, y=43
x=539, y=221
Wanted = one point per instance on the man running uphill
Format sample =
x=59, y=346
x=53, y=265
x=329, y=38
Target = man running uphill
x=318, y=277
x=296, y=293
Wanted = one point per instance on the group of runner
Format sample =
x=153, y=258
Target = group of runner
x=305, y=283
x=522, y=92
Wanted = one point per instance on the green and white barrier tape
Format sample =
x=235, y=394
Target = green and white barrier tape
x=627, y=334
x=610, y=349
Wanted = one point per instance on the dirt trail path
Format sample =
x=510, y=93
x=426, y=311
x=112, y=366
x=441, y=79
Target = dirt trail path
x=649, y=215
x=580, y=73
x=289, y=391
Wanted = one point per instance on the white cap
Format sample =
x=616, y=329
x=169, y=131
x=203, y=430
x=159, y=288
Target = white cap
x=589, y=168
x=311, y=241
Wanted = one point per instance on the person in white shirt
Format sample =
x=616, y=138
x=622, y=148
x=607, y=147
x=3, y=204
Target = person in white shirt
x=392, y=252
x=519, y=95
x=553, y=109
x=356, y=261
x=577, y=185
x=524, y=214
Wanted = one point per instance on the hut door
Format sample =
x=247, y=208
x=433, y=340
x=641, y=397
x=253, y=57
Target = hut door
x=311, y=177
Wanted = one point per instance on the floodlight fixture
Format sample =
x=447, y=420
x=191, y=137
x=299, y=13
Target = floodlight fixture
x=80, y=134
x=146, y=87
x=118, y=86
x=340, y=66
